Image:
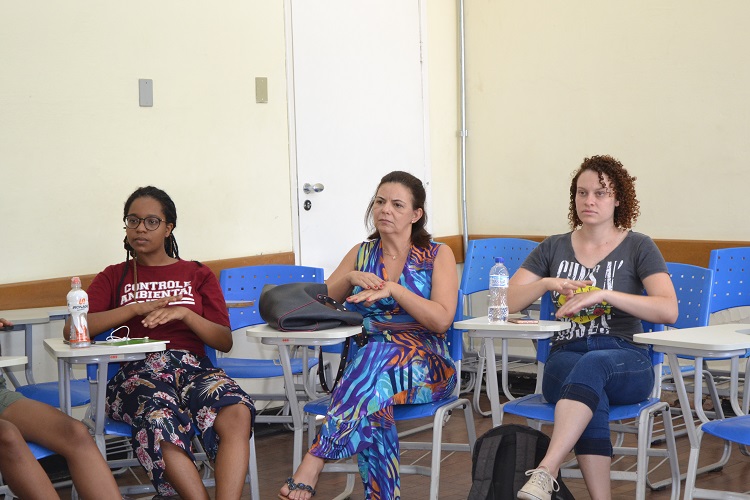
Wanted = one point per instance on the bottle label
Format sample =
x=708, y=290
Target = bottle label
x=497, y=280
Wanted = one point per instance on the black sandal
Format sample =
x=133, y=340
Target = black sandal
x=298, y=486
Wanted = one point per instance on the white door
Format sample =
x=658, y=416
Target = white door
x=358, y=113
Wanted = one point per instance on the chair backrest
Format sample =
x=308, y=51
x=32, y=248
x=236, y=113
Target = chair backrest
x=693, y=286
x=480, y=257
x=245, y=284
x=455, y=341
x=455, y=336
x=731, y=267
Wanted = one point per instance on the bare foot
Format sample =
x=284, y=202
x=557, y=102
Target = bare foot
x=307, y=473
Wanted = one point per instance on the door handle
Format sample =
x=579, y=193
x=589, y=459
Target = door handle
x=309, y=188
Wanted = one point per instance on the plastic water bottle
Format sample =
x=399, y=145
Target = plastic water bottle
x=498, y=307
x=78, y=307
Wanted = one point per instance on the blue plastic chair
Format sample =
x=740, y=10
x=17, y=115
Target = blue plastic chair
x=736, y=430
x=731, y=267
x=242, y=287
x=49, y=392
x=439, y=412
x=480, y=257
x=693, y=286
x=537, y=410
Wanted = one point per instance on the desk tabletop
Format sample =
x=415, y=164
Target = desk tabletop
x=716, y=338
x=34, y=316
x=483, y=323
x=265, y=331
x=59, y=349
x=12, y=361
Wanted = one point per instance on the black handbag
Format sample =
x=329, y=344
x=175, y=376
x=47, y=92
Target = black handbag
x=294, y=307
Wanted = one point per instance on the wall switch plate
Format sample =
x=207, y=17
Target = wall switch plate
x=261, y=89
x=145, y=92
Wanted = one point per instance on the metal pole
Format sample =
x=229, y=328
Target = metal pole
x=463, y=132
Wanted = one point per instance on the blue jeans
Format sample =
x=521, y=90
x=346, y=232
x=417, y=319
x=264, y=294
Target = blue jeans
x=596, y=371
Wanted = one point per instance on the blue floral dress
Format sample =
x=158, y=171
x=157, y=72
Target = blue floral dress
x=403, y=363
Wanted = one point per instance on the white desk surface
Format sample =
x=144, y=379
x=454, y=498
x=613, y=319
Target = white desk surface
x=483, y=323
x=12, y=361
x=717, y=338
x=26, y=316
x=58, y=349
x=265, y=331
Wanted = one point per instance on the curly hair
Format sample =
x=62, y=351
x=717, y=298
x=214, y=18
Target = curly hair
x=419, y=235
x=621, y=182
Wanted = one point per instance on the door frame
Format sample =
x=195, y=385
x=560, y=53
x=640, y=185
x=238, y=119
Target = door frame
x=292, y=122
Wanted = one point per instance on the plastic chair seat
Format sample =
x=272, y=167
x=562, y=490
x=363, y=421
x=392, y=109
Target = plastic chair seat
x=49, y=393
x=736, y=429
x=535, y=407
x=39, y=451
x=400, y=412
x=260, y=368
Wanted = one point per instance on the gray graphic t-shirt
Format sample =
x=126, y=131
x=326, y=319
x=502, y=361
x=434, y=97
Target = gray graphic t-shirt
x=623, y=270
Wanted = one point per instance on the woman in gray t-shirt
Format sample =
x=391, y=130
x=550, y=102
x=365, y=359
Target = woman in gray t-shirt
x=596, y=275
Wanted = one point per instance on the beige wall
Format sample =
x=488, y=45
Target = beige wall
x=75, y=143
x=442, y=66
x=660, y=85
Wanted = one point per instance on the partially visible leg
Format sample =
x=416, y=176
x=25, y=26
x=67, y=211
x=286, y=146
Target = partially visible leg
x=307, y=473
x=379, y=463
x=180, y=471
x=20, y=469
x=595, y=469
x=62, y=434
x=232, y=426
x=571, y=418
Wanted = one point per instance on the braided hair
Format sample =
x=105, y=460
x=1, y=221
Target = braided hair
x=170, y=214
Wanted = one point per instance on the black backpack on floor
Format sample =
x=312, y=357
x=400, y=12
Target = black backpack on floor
x=501, y=458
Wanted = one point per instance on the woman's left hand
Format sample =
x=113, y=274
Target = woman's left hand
x=368, y=297
x=164, y=315
x=576, y=302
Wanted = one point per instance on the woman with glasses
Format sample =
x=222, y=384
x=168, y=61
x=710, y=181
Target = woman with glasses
x=170, y=396
x=596, y=275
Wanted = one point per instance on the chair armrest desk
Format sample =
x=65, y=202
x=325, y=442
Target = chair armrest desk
x=729, y=340
x=481, y=327
x=102, y=354
x=284, y=340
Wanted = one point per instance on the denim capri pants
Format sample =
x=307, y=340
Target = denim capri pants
x=596, y=371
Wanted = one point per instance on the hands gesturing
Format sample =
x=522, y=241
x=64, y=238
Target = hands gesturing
x=157, y=313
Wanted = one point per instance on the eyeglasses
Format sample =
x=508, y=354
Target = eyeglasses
x=599, y=194
x=150, y=223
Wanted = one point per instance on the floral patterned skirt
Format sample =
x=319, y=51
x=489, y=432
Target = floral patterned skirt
x=171, y=395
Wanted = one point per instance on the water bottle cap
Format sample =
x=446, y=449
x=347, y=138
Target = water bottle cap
x=75, y=280
x=499, y=259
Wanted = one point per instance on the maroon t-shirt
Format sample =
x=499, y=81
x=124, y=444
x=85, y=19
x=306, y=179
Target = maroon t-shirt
x=198, y=286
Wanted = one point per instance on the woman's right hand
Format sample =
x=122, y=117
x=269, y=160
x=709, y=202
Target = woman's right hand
x=566, y=287
x=145, y=308
x=367, y=281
